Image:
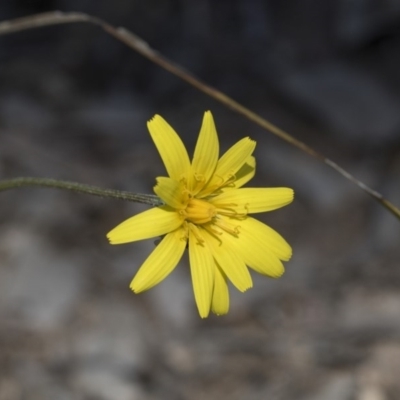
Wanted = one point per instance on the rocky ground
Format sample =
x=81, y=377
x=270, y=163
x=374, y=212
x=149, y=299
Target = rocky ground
x=74, y=105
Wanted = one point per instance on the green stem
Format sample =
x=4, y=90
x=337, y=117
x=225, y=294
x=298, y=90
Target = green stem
x=81, y=188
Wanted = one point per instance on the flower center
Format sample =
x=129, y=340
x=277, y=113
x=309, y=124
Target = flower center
x=199, y=211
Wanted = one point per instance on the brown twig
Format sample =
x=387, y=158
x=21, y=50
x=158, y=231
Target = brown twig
x=140, y=46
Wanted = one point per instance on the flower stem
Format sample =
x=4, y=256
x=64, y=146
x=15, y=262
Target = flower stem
x=80, y=188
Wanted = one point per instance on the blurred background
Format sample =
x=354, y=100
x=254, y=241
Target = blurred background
x=74, y=104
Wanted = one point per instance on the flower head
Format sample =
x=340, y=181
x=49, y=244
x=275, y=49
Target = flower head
x=207, y=210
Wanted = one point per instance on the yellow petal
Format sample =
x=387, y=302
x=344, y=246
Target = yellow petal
x=170, y=191
x=230, y=262
x=170, y=147
x=235, y=157
x=266, y=237
x=202, y=267
x=206, y=153
x=154, y=222
x=220, y=298
x=160, y=262
x=256, y=255
x=229, y=164
x=254, y=200
x=245, y=173
x=262, y=261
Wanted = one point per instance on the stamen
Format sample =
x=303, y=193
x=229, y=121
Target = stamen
x=229, y=210
x=199, y=177
x=230, y=181
x=185, y=231
x=186, y=195
x=213, y=232
x=198, y=182
x=233, y=214
x=182, y=213
x=229, y=228
x=196, y=232
x=215, y=188
x=209, y=228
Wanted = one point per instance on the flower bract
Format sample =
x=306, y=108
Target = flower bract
x=207, y=210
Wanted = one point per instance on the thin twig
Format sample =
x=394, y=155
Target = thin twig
x=140, y=46
x=81, y=188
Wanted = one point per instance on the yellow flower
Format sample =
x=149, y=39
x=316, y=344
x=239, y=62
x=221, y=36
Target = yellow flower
x=206, y=209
